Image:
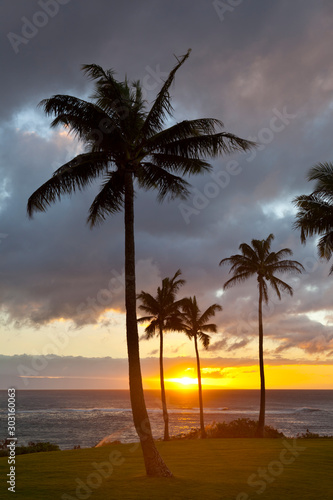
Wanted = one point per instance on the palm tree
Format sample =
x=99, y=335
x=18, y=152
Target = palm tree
x=259, y=260
x=194, y=325
x=315, y=210
x=160, y=311
x=125, y=143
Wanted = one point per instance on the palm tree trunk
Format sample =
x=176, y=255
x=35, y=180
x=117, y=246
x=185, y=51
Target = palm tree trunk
x=202, y=425
x=163, y=398
x=154, y=463
x=261, y=422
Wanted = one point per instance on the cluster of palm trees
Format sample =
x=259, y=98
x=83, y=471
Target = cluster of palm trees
x=127, y=146
x=165, y=313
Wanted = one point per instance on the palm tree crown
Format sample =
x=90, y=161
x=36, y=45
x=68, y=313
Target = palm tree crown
x=161, y=309
x=122, y=136
x=259, y=260
x=194, y=324
x=315, y=210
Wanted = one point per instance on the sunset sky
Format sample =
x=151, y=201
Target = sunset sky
x=265, y=69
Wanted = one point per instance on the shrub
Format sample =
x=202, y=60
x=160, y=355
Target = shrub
x=310, y=435
x=240, y=428
x=31, y=448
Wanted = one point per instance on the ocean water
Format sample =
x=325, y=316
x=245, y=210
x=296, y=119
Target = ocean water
x=86, y=417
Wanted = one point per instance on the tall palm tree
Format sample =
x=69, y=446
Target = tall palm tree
x=315, y=210
x=160, y=311
x=260, y=261
x=194, y=324
x=126, y=144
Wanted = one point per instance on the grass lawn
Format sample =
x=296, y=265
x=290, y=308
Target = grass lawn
x=224, y=469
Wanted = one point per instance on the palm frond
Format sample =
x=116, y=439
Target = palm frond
x=323, y=174
x=291, y=266
x=161, y=107
x=247, y=251
x=149, y=304
x=238, y=278
x=314, y=216
x=150, y=330
x=204, y=339
x=210, y=145
x=145, y=319
x=281, y=284
x=180, y=164
x=325, y=246
x=151, y=176
x=80, y=116
x=74, y=175
x=274, y=257
x=109, y=200
x=209, y=313
x=182, y=130
x=105, y=84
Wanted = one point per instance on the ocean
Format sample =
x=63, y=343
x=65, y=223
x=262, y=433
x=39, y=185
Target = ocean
x=85, y=417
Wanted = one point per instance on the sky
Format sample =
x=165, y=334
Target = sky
x=263, y=68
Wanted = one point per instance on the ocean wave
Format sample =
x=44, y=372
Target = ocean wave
x=306, y=409
x=78, y=410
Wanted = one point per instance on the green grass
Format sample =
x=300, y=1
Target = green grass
x=203, y=470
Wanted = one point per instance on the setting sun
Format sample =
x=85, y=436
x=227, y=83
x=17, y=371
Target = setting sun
x=183, y=381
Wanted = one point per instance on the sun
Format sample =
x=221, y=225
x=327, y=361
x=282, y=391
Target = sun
x=187, y=381
x=184, y=382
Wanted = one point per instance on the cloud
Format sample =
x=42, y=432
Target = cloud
x=77, y=372
x=263, y=82
x=220, y=344
x=212, y=373
x=238, y=345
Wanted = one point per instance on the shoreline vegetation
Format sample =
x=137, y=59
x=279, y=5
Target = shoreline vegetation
x=241, y=428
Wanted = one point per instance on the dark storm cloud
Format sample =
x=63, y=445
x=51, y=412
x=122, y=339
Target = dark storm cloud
x=265, y=69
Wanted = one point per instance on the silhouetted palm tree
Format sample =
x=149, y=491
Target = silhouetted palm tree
x=315, y=210
x=126, y=143
x=160, y=311
x=194, y=325
x=259, y=260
